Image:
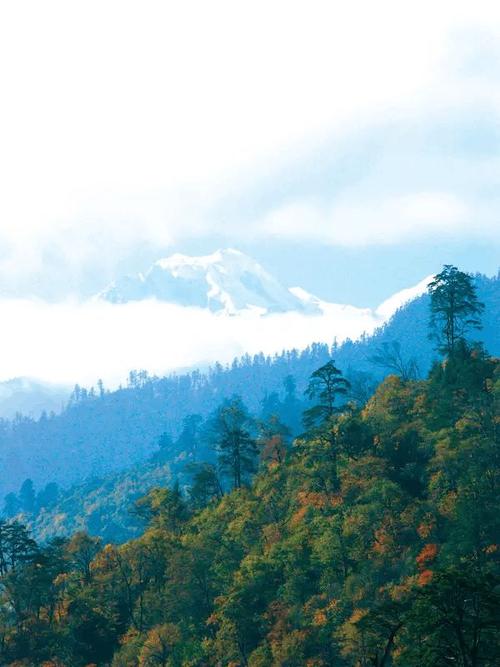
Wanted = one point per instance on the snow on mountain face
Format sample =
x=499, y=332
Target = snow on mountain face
x=230, y=282
x=227, y=281
x=387, y=309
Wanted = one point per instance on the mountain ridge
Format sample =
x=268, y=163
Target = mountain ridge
x=229, y=281
x=111, y=431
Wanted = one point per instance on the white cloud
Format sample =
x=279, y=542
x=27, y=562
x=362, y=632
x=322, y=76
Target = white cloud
x=378, y=221
x=122, y=124
x=125, y=125
x=80, y=342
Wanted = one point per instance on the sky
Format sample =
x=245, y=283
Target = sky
x=351, y=148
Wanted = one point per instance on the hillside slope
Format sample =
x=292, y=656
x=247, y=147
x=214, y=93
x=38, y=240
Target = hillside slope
x=371, y=540
x=102, y=432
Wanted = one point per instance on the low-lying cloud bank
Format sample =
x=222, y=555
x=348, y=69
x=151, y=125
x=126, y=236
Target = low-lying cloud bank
x=74, y=342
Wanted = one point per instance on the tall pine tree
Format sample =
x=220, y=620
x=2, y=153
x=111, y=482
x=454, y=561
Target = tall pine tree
x=455, y=309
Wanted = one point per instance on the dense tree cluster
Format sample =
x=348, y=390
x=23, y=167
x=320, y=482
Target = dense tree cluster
x=27, y=501
x=372, y=539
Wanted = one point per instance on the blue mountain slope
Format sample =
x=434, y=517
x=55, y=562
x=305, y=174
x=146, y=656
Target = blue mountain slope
x=99, y=435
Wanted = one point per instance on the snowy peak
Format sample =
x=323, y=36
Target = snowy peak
x=387, y=309
x=179, y=262
x=226, y=281
x=230, y=282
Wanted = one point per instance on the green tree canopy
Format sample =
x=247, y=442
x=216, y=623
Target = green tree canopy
x=231, y=434
x=325, y=386
x=455, y=308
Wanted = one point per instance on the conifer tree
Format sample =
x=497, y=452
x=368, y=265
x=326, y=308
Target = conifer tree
x=205, y=485
x=325, y=385
x=455, y=309
x=27, y=496
x=189, y=438
x=232, y=437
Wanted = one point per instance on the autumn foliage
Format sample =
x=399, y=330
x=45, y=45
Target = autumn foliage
x=370, y=540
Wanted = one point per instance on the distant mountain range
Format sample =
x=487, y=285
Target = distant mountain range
x=227, y=283
x=31, y=398
x=230, y=282
x=107, y=432
x=114, y=436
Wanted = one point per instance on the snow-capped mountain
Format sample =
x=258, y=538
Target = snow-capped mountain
x=200, y=294
x=387, y=309
x=230, y=282
x=227, y=281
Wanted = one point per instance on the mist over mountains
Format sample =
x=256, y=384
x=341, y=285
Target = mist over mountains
x=31, y=398
x=107, y=432
x=183, y=312
x=250, y=334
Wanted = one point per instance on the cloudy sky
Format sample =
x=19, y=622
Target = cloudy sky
x=352, y=148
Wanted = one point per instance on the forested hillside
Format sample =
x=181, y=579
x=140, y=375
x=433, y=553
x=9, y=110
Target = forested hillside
x=113, y=436
x=371, y=539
